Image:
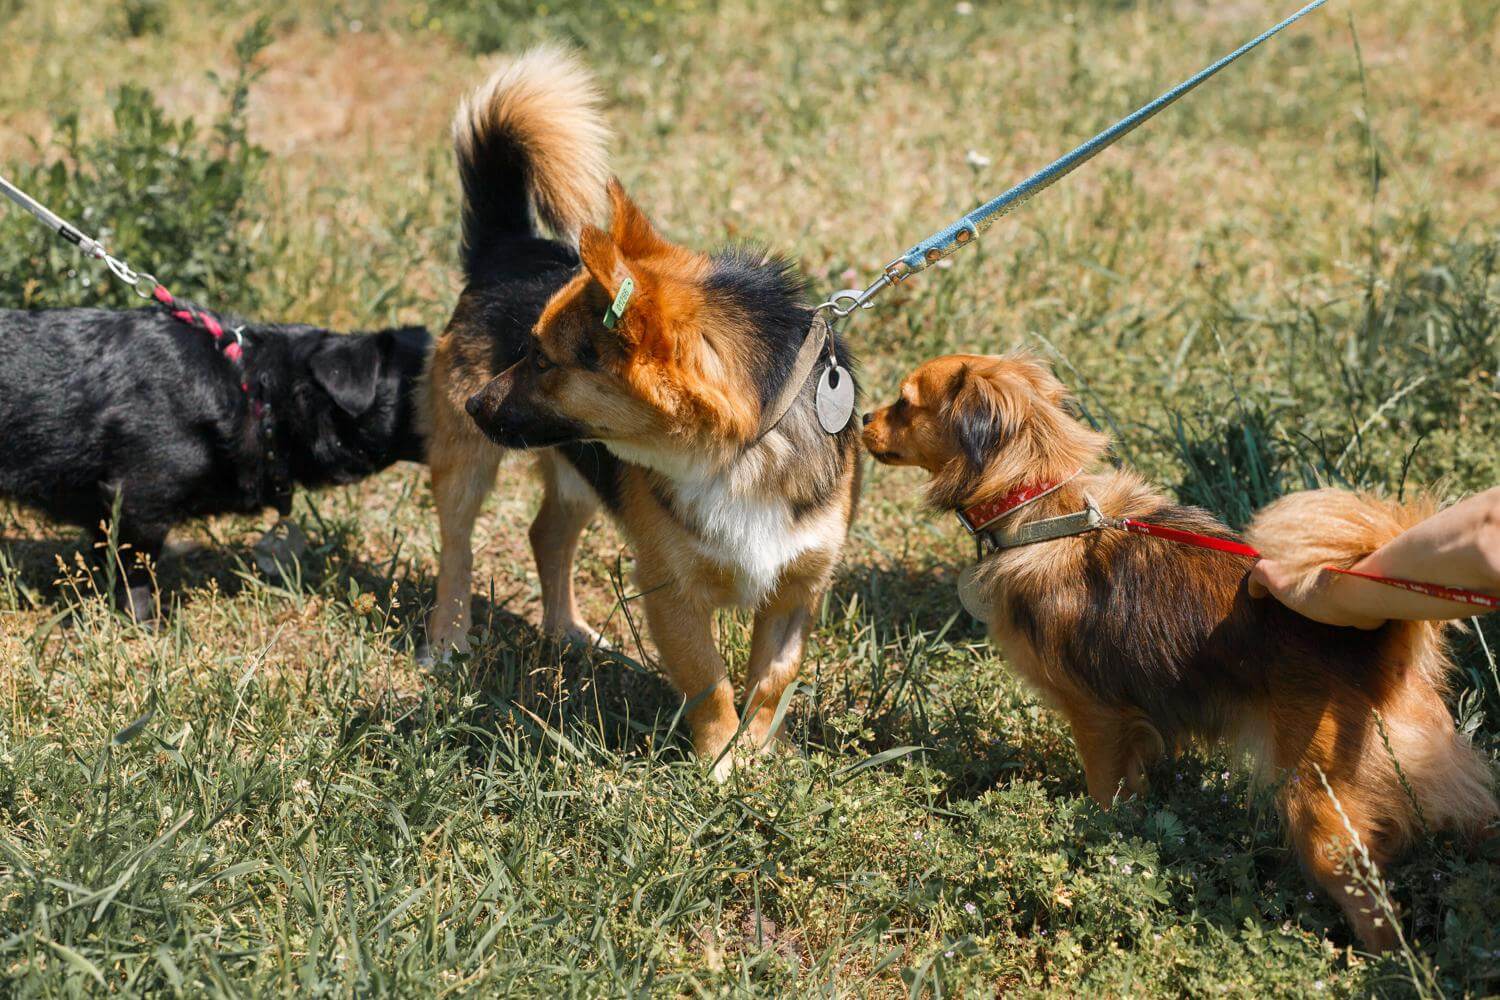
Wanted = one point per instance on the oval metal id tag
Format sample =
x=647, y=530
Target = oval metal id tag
x=974, y=600
x=835, y=398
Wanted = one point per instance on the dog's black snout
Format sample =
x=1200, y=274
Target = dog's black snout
x=476, y=405
x=867, y=418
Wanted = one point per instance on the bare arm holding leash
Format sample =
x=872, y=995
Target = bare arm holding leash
x=1459, y=545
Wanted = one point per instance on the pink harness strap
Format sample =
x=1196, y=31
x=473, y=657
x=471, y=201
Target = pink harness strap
x=187, y=312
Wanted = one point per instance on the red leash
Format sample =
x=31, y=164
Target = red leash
x=1429, y=589
x=1181, y=537
x=1188, y=538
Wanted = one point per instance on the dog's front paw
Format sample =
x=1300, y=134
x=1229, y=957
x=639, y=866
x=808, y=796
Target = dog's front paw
x=577, y=635
x=744, y=755
x=724, y=767
x=747, y=752
x=283, y=546
x=140, y=605
x=440, y=648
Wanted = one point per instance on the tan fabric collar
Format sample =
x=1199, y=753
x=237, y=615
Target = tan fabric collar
x=807, y=359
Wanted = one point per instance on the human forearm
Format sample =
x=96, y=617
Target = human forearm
x=1459, y=547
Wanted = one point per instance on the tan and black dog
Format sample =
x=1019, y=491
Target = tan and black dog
x=1144, y=645
x=668, y=415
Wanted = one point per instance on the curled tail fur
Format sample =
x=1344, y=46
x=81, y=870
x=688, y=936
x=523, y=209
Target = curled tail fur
x=1306, y=531
x=1315, y=528
x=530, y=143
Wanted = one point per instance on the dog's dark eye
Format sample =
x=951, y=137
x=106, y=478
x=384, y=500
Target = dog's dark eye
x=539, y=360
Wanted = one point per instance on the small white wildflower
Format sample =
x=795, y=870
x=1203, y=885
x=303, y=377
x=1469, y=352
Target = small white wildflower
x=948, y=953
x=917, y=835
x=429, y=774
x=963, y=8
x=977, y=160
x=970, y=908
x=1225, y=775
x=1126, y=868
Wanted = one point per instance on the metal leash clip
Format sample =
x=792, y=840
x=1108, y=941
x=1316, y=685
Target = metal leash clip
x=1097, y=517
x=143, y=284
x=855, y=297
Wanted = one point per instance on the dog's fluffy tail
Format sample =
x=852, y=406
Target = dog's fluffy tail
x=530, y=143
x=1315, y=528
x=1307, y=531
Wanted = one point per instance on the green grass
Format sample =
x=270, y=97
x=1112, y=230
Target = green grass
x=1290, y=278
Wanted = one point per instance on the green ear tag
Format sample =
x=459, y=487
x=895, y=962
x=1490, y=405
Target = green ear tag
x=617, y=307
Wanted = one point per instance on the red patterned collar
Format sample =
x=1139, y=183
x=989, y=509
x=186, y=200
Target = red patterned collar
x=982, y=515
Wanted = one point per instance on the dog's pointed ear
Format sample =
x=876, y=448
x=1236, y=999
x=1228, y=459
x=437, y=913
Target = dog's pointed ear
x=632, y=231
x=978, y=418
x=348, y=369
x=599, y=255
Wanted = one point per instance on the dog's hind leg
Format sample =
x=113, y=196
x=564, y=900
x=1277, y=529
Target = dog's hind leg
x=1323, y=840
x=1440, y=769
x=776, y=646
x=568, y=504
x=682, y=628
x=463, y=473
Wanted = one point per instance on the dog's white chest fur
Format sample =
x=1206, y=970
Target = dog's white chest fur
x=756, y=537
x=733, y=523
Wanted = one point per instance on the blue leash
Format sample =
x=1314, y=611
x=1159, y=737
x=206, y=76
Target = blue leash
x=966, y=230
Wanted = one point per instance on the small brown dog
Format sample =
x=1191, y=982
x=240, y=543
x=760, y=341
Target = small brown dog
x=1143, y=644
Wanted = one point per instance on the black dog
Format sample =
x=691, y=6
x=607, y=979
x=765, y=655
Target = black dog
x=140, y=410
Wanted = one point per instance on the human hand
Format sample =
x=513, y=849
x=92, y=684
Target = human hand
x=1326, y=599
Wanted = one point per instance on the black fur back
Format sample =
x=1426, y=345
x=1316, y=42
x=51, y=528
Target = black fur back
x=95, y=403
x=771, y=294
